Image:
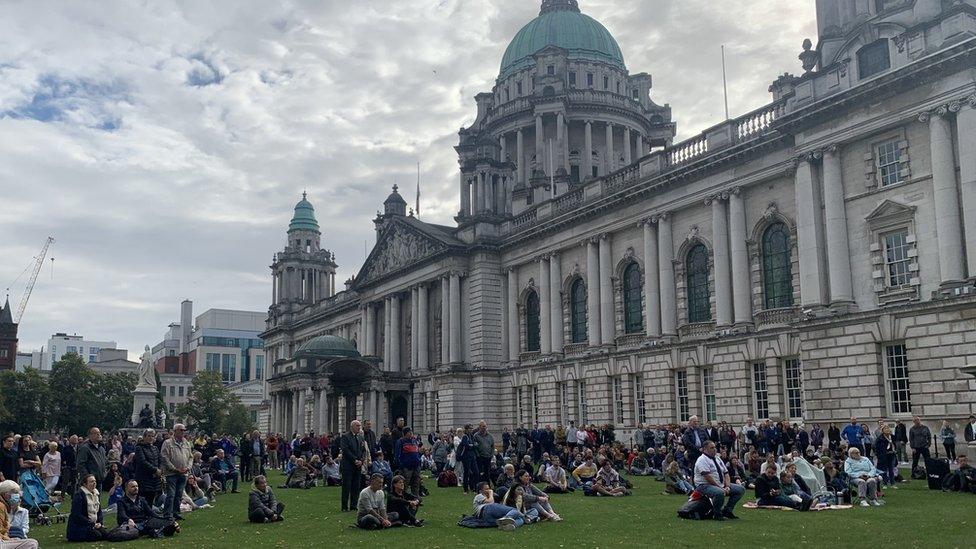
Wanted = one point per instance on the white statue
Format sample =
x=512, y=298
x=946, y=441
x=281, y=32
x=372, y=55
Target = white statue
x=147, y=376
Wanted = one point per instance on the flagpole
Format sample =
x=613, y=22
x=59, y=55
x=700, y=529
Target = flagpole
x=418, y=189
x=725, y=86
x=552, y=173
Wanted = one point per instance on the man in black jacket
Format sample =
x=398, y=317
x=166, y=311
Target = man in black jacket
x=900, y=438
x=145, y=466
x=970, y=432
x=769, y=492
x=91, y=458
x=919, y=438
x=694, y=438
x=369, y=435
x=353, y=449
x=134, y=510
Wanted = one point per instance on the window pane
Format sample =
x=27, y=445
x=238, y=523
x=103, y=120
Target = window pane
x=896, y=248
x=639, y=398
x=777, y=267
x=697, y=276
x=618, y=401
x=899, y=395
x=889, y=163
x=708, y=388
x=794, y=388
x=760, y=394
x=578, y=311
x=583, y=408
x=532, y=322
x=681, y=384
x=633, y=310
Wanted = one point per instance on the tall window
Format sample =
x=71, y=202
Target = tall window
x=532, y=322
x=777, y=273
x=606, y=82
x=681, y=386
x=899, y=395
x=633, y=312
x=228, y=368
x=696, y=268
x=618, y=401
x=794, y=387
x=708, y=388
x=896, y=258
x=583, y=408
x=760, y=395
x=873, y=58
x=640, y=404
x=259, y=367
x=520, y=402
x=518, y=88
x=535, y=405
x=213, y=362
x=577, y=308
x=551, y=70
x=589, y=79
x=561, y=409
x=889, y=162
x=572, y=79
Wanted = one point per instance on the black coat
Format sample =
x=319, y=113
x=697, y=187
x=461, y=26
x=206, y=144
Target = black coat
x=139, y=510
x=764, y=484
x=144, y=465
x=352, y=449
x=78, y=524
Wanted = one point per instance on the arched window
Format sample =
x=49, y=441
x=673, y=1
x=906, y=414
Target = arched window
x=577, y=310
x=696, y=273
x=633, y=313
x=532, y=322
x=777, y=276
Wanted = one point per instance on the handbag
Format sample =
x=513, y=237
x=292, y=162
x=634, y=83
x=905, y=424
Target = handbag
x=124, y=532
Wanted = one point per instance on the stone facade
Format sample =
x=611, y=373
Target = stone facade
x=811, y=260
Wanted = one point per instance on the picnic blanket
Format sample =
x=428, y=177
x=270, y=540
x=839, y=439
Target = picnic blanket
x=753, y=505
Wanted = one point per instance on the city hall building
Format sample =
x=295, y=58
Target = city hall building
x=811, y=260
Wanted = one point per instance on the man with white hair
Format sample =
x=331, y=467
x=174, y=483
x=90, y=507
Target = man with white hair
x=352, y=446
x=694, y=438
x=176, y=457
x=10, y=498
x=864, y=476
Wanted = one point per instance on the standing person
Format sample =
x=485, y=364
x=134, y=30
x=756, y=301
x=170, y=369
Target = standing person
x=69, y=464
x=91, y=458
x=507, y=440
x=853, y=434
x=467, y=453
x=816, y=438
x=948, y=436
x=440, y=452
x=145, y=467
x=408, y=456
x=51, y=467
x=8, y=460
x=571, y=437
x=369, y=435
x=694, y=438
x=884, y=449
x=833, y=438
x=919, y=438
x=256, y=453
x=271, y=450
x=712, y=480
x=900, y=436
x=351, y=467
x=484, y=451
x=970, y=432
x=176, y=456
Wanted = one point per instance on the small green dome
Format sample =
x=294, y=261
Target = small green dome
x=304, y=218
x=327, y=346
x=561, y=24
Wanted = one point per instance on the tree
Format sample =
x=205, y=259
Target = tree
x=208, y=402
x=238, y=420
x=72, y=383
x=25, y=398
x=113, y=395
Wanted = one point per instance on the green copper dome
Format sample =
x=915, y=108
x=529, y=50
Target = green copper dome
x=304, y=219
x=561, y=24
x=327, y=346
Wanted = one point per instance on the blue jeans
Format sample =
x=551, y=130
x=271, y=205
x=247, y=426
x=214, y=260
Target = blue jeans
x=717, y=495
x=175, y=484
x=494, y=511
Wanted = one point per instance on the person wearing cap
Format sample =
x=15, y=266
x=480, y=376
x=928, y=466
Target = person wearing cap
x=408, y=457
x=371, y=507
x=381, y=466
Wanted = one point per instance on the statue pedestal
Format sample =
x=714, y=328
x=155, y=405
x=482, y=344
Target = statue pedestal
x=140, y=397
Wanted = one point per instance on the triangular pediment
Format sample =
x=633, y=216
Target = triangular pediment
x=400, y=246
x=890, y=209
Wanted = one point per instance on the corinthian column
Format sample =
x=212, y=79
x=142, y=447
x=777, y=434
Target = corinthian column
x=966, y=134
x=414, y=321
x=395, y=333
x=587, y=152
x=387, y=330
x=652, y=284
x=947, y=222
x=720, y=252
x=423, y=338
x=606, y=291
x=741, y=282
x=512, y=320
x=445, y=320
x=545, y=311
x=539, y=144
x=556, y=303
x=610, y=156
x=519, y=157
x=835, y=214
x=665, y=255
x=627, y=145
x=455, y=353
x=809, y=235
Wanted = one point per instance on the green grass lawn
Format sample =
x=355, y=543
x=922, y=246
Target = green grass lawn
x=913, y=517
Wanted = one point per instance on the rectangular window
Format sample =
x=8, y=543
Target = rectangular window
x=618, y=401
x=228, y=368
x=760, y=395
x=72, y=349
x=520, y=403
x=606, y=82
x=259, y=367
x=172, y=407
x=535, y=405
x=172, y=390
x=572, y=78
x=899, y=395
x=681, y=386
x=564, y=402
x=518, y=88
x=635, y=94
x=794, y=387
x=92, y=358
x=213, y=362
x=551, y=70
x=640, y=404
x=888, y=156
x=589, y=79
x=896, y=259
x=181, y=390
x=583, y=409
x=3, y=353
x=708, y=389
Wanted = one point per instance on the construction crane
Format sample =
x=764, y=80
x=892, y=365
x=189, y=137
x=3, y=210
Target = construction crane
x=38, y=263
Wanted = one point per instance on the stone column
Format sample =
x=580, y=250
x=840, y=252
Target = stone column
x=545, y=310
x=387, y=332
x=720, y=252
x=627, y=145
x=273, y=397
x=370, y=331
x=946, y=195
x=513, y=323
x=966, y=135
x=300, y=411
x=519, y=157
x=741, y=281
x=563, y=140
x=556, y=303
x=665, y=256
x=507, y=189
x=423, y=338
x=362, y=330
x=395, y=365
x=540, y=144
x=809, y=235
x=606, y=290
x=414, y=321
x=835, y=215
x=316, y=410
x=324, y=410
x=368, y=406
x=465, y=194
x=445, y=320
x=501, y=145
x=587, y=160
x=455, y=353
x=610, y=156
x=593, y=330
x=652, y=284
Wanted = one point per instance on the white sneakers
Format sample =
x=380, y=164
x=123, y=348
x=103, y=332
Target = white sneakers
x=506, y=524
x=864, y=503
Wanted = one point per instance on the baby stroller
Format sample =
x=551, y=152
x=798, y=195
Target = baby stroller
x=35, y=498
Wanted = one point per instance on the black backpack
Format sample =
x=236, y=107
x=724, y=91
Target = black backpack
x=696, y=509
x=919, y=473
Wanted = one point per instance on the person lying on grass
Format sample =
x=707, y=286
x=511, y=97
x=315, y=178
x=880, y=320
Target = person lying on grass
x=504, y=517
x=262, y=505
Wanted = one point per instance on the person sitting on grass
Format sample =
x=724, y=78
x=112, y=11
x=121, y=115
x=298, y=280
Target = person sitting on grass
x=382, y=467
x=675, y=481
x=403, y=503
x=223, y=470
x=607, y=482
x=515, y=499
x=556, y=481
x=330, y=471
x=793, y=492
x=300, y=476
x=536, y=497
x=863, y=474
x=639, y=466
x=135, y=511
x=372, y=513
x=585, y=473
x=737, y=473
x=769, y=491
x=962, y=479
x=504, y=481
x=504, y=517
x=193, y=496
x=261, y=504
x=85, y=520
x=290, y=464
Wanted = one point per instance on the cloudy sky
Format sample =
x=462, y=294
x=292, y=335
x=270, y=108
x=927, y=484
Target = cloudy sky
x=164, y=144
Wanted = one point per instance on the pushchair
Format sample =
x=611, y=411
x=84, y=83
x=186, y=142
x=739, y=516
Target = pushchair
x=37, y=501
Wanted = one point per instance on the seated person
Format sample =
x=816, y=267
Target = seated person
x=535, y=497
x=115, y=494
x=193, y=496
x=863, y=475
x=835, y=480
x=675, y=481
x=222, y=469
x=427, y=461
x=300, y=476
x=540, y=473
x=515, y=499
x=18, y=516
x=330, y=470
x=315, y=467
x=290, y=464
x=792, y=490
x=134, y=510
x=485, y=508
x=371, y=508
x=607, y=482
x=10, y=533
x=962, y=479
x=261, y=503
x=585, y=474
x=403, y=503
x=201, y=471
x=504, y=481
x=737, y=473
x=797, y=479
x=85, y=520
x=639, y=466
x=382, y=467
x=769, y=491
x=556, y=481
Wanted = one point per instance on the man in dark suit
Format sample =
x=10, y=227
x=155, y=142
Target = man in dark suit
x=253, y=454
x=694, y=438
x=970, y=432
x=353, y=450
